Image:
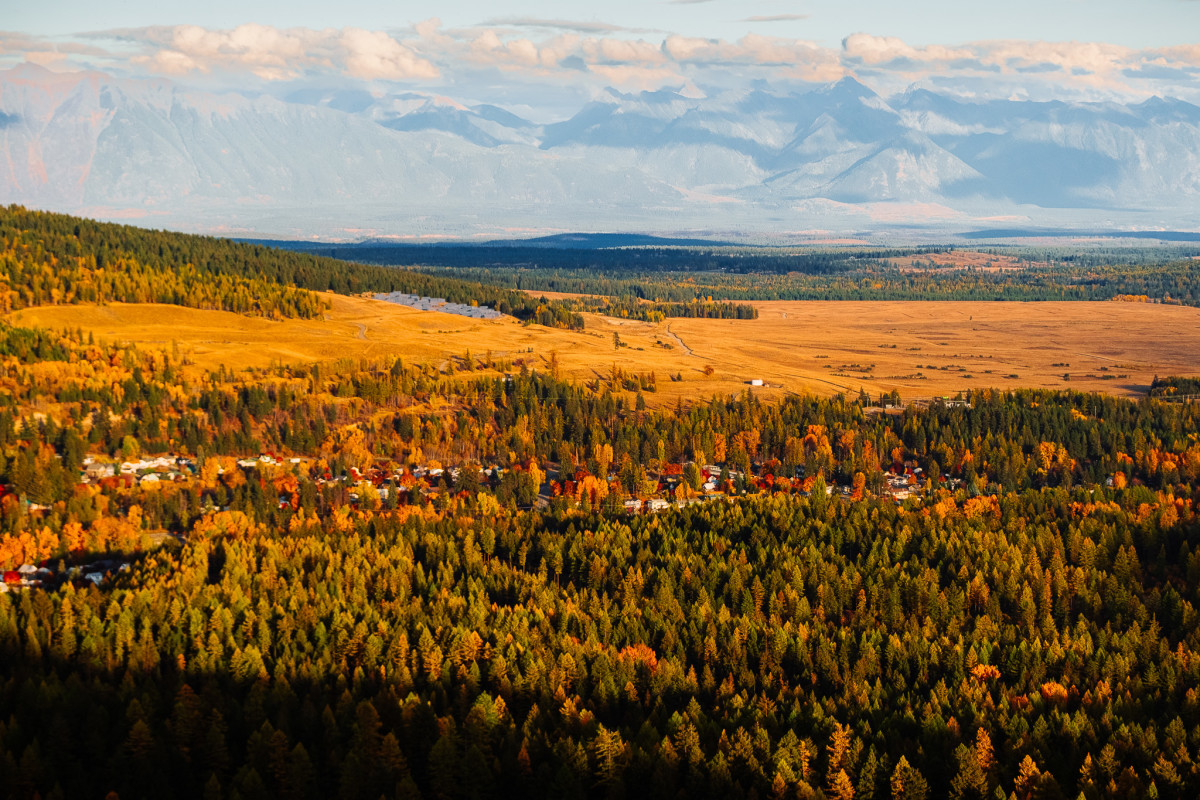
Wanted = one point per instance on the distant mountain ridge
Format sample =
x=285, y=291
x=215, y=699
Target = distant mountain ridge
x=351, y=163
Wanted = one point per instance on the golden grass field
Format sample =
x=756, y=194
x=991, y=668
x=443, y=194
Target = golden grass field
x=922, y=349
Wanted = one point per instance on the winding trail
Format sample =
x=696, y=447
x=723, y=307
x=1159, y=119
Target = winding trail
x=686, y=350
x=1095, y=356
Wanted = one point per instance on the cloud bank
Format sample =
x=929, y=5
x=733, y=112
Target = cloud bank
x=593, y=54
x=273, y=54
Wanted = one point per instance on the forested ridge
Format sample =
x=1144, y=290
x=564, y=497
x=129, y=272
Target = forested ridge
x=1174, y=282
x=384, y=607
x=50, y=258
x=647, y=257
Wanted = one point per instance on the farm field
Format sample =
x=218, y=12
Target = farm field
x=958, y=259
x=921, y=349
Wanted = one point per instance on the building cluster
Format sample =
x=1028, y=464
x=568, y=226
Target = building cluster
x=439, y=304
x=900, y=484
x=654, y=504
x=142, y=471
x=43, y=576
x=911, y=481
x=903, y=483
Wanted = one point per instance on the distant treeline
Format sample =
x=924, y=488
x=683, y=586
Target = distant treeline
x=810, y=261
x=633, y=308
x=1175, y=282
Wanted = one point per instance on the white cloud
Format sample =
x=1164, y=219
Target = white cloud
x=1188, y=54
x=622, y=51
x=751, y=48
x=553, y=52
x=1069, y=70
x=278, y=54
x=489, y=48
x=1092, y=57
x=876, y=50
x=792, y=59
x=374, y=54
x=637, y=77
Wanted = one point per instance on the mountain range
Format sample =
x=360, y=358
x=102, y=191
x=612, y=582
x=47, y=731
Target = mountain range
x=822, y=159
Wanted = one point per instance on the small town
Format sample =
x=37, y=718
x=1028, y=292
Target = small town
x=678, y=486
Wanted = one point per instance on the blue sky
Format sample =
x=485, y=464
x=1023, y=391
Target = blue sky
x=523, y=53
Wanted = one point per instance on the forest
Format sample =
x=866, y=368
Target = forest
x=647, y=254
x=475, y=578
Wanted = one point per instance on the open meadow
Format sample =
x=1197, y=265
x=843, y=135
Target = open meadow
x=921, y=349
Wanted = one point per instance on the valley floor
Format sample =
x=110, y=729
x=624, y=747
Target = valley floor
x=921, y=349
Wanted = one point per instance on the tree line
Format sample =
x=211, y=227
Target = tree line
x=1174, y=282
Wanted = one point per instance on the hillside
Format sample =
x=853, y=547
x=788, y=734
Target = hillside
x=59, y=259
